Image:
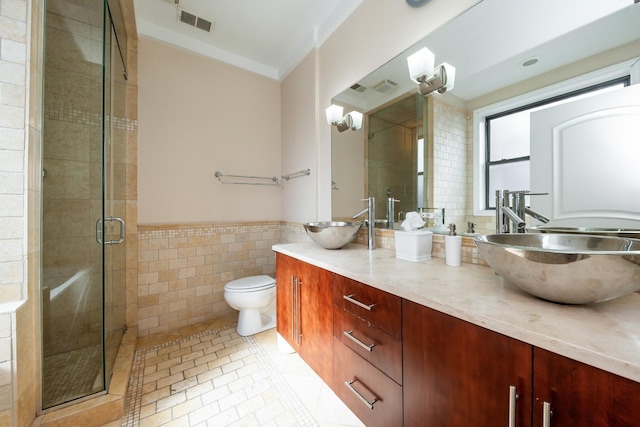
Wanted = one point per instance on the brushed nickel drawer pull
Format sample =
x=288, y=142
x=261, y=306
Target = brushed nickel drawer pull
x=358, y=303
x=293, y=308
x=546, y=414
x=513, y=396
x=349, y=334
x=358, y=395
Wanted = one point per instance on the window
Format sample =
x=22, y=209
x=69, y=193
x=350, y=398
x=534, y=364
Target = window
x=507, y=139
x=501, y=132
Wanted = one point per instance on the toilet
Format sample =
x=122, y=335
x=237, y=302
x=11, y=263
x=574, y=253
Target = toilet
x=255, y=298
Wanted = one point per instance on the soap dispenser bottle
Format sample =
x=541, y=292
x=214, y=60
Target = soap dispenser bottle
x=452, y=247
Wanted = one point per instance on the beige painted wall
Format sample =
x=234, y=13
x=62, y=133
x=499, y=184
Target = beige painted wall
x=348, y=161
x=299, y=136
x=196, y=116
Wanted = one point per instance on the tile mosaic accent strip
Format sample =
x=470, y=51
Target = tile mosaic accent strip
x=88, y=118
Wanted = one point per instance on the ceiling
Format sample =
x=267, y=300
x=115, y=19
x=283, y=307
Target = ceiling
x=488, y=44
x=268, y=37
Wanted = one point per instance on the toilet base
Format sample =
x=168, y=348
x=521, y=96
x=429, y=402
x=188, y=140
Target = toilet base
x=251, y=322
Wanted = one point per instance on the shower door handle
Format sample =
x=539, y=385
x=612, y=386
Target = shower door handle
x=99, y=229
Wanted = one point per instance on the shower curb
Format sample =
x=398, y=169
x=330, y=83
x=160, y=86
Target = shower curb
x=102, y=409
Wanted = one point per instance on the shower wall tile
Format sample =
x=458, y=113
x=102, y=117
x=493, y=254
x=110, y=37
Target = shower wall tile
x=5, y=373
x=11, y=161
x=11, y=205
x=11, y=116
x=11, y=139
x=450, y=161
x=70, y=25
x=5, y=349
x=182, y=270
x=14, y=9
x=68, y=9
x=67, y=140
x=12, y=29
x=13, y=95
x=70, y=51
x=11, y=183
x=11, y=292
x=13, y=51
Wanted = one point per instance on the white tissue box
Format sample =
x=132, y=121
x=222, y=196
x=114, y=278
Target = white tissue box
x=414, y=245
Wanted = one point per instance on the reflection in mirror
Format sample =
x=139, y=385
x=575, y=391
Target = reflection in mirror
x=395, y=157
x=566, y=45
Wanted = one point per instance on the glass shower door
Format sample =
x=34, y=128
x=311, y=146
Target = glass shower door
x=72, y=260
x=84, y=200
x=114, y=192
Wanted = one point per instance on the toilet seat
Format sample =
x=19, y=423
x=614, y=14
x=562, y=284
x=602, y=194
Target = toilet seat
x=250, y=284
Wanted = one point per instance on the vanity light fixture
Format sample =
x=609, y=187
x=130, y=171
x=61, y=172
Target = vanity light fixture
x=429, y=80
x=421, y=64
x=352, y=120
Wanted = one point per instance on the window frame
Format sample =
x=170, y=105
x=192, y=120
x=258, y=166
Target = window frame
x=528, y=100
x=575, y=93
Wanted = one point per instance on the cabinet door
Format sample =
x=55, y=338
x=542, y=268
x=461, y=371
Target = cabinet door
x=458, y=374
x=304, y=312
x=581, y=395
x=316, y=319
x=285, y=298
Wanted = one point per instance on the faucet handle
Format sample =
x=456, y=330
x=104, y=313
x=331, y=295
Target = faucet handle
x=527, y=193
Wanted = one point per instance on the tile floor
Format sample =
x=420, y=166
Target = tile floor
x=214, y=377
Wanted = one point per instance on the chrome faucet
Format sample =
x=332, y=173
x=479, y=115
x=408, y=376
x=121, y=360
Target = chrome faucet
x=515, y=213
x=370, y=222
x=390, y=211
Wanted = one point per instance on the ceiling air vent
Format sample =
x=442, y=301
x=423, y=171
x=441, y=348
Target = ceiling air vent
x=385, y=85
x=358, y=87
x=194, y=21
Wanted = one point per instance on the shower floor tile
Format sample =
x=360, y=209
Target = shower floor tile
x=71, y=375
x=219, y=378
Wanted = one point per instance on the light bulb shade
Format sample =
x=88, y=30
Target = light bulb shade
x=334, y=114
x=356, y=120
x=421, y=64
x=448, y=73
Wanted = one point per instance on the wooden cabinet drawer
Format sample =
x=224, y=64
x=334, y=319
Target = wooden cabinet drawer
x=373, y=397
x=377, y=307
x=372, y=344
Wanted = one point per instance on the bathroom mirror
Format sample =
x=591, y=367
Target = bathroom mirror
x=488, y=45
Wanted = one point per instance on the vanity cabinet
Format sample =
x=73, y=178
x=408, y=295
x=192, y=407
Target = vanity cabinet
x=575, y=394
x=304, y=312
x=368, y=351
x=458, y=374
x=395, y=362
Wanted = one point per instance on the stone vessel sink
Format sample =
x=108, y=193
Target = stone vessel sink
x=332, y=234
x=631, y=233
x=565, y=268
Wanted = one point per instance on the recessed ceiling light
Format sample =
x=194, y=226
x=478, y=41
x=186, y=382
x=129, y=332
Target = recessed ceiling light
x=530, y=61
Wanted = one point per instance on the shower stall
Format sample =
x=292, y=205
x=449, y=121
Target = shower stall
x=397, y=154
x=83, y=197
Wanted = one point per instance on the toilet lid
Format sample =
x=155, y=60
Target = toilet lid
x=250, y=284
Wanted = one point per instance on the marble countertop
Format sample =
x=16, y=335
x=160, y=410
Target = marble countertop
x=605, y=335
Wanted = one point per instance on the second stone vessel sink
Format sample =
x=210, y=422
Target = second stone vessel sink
x=631, y=233
x=565, y=268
